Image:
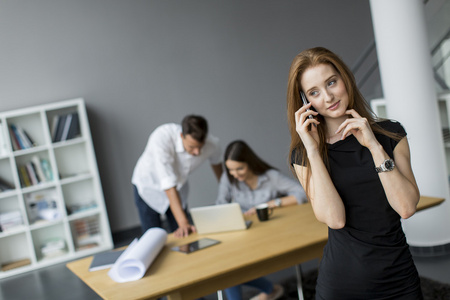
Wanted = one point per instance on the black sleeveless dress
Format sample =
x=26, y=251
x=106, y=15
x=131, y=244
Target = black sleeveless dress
x=368, y=258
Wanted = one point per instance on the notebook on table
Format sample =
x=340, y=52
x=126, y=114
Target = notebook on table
x=219, y=218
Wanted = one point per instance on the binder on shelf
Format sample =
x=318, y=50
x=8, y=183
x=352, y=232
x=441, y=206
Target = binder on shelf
x=60, y=128
x=74, y=129
x=67, y=127
x=54, y=127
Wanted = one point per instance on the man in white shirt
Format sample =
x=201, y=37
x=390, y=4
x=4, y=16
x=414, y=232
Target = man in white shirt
x=160, y=177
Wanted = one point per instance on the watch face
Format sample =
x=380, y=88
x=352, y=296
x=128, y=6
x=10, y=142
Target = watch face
x=389, y=164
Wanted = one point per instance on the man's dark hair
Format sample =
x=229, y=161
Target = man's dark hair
x=196, y=126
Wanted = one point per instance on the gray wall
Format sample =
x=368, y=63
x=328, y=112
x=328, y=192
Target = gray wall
x=139, y=64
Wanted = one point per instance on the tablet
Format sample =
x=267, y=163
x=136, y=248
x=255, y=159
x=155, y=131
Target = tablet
x=196, y=245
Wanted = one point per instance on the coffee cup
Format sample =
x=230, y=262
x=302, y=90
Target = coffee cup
x=263, y=211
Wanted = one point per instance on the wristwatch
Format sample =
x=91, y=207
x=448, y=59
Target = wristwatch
x=278, y=202
x=386, y=166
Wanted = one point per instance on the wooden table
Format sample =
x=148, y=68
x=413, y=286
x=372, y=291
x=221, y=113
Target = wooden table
x=292, y=236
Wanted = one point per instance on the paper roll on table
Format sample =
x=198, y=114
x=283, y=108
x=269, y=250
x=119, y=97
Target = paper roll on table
x=135, y=260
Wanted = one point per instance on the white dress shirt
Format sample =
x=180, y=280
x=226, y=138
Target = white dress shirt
x=166, y=164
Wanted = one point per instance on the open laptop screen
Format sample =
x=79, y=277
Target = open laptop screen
x=218, y=218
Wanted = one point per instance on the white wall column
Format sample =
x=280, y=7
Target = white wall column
x=408, y=86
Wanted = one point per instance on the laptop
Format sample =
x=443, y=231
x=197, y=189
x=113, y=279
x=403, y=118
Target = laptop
x=219, y=218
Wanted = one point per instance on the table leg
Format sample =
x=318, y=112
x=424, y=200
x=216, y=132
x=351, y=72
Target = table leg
x=298, y=271
x=219, y=295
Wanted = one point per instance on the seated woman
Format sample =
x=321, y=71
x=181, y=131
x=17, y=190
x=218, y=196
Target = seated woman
x=249, y=181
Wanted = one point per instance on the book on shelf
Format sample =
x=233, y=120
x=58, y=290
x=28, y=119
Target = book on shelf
x=16, y=264
x=65, y=127
x=87, y=232
x=37, y=167
x=19, y=141
x=80, y=207
x=23, y=176
x=14, y=141
x=5, y=185
x=59, y=128
x=35, y=171
x=74, y=129
x=46, y=169
x=31, y=173
x=10, y=220
x=54, y=127
x=20, y=138
x=53, y=247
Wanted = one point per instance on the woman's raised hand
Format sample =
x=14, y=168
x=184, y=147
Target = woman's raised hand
x=360, y=128
x=306, y=127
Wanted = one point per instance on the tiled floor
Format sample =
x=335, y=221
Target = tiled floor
x=59, y=283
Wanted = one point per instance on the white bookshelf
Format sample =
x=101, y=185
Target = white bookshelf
x=379, y=108
x=65, y=210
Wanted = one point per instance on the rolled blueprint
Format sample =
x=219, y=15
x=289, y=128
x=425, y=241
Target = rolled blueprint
x=135, y=260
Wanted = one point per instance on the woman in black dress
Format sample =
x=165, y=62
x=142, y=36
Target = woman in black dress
x=357, y=174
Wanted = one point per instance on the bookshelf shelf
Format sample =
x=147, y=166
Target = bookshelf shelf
x=43, y=224
x=75, y=178
x=83, y=214
x=35, y=149
x=8, y=193
x=51, y=201
x=12, y=231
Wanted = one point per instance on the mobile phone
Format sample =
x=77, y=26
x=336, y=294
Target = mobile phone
x=305, y=102
x=196, y=245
